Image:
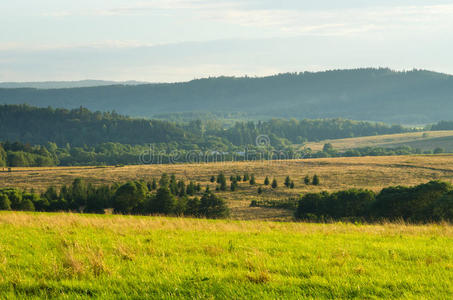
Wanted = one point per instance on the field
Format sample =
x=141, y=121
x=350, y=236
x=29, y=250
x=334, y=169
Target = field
x=336, y=174
x=79, y=256
x=427, y=140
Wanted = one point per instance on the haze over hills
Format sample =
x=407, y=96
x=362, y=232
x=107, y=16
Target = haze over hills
x=66, y=84
x=412, y=97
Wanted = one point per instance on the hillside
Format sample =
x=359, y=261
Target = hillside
x=116, y=257
x=414, y=97
x=426, y=140
x=64, y=84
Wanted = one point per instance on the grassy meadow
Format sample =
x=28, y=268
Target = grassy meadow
x=336, y=174
x=80, y=256
x=426, y=140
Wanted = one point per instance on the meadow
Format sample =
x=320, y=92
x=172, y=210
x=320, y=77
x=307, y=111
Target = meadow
x=426, y=140
x=79, y=256
x=336, y=174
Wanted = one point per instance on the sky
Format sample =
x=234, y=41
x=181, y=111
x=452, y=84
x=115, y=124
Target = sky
x=179, y=40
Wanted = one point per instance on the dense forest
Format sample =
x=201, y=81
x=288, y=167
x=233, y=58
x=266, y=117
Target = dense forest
x=31, y=136
x=413, y=97
x=80, y=127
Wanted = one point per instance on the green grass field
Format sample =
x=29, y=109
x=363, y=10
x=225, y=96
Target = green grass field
x=80, y=256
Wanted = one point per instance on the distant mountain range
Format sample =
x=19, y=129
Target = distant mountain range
x=65, y=84
x=412, y=97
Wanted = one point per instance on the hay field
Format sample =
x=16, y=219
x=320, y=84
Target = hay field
x=336, y=174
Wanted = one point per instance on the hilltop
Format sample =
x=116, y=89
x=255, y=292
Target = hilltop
x=413, y=97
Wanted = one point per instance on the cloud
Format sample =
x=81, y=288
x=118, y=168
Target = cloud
x=289, y=20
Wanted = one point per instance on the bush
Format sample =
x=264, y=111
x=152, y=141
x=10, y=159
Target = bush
x=212, y=206
x=5, y=204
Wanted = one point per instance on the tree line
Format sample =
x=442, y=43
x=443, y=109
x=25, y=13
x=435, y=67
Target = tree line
x=428, y=202
x=167, y=196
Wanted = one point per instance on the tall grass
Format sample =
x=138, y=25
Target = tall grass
x=80, y=256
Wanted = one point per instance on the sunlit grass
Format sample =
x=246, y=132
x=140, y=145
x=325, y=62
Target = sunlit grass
x=64, y=255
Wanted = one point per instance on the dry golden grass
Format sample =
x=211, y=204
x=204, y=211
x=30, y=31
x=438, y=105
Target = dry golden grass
x=427, y=140
x=336, y=174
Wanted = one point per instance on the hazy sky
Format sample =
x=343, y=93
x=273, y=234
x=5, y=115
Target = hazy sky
x=174, y=40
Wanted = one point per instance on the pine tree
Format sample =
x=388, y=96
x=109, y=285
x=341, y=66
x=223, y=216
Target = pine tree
x=246, y=177
x=212, y=178
x=252, y=180
x=238, y=178
x=316, y=180
x=260, y=190
x=266, y=180
x=287, y=181
x=291, y=185
x=234, y=185
x=307, y=180
x=274, y=183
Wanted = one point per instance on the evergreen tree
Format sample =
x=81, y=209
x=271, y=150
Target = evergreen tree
x=260, y=190
x=238, y=178
x=193, y=207
x=291, y=185
x=252, y=180
x=315, y=180
x=234, y=185
x=164, y=180
x=266, y=180
x=287, y=181
x=274, y=183
x=246, y=177
x=164, y=201
x=212, y=178
x=307, y=180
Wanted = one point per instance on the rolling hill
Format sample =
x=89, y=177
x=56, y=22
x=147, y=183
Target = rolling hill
x=414, y=97
x=426, y=140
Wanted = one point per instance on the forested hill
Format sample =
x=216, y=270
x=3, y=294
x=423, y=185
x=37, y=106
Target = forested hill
x=413, y=97
x=79, y=127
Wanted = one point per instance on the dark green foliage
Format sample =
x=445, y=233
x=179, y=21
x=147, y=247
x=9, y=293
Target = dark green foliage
x=164, y=202
x=221, y=180
x=238, y=178
x=438, y=150
x=129, y=198
x=212, y=206
x=191, y=188
x=252, y=179
x=234, y=185
x=274, y=183
x=307, y=180
x=193, y=207
x=315, y=180
x=246, y=177
x=213, y=179
x=287, y=181
x=27, y=205
x=423, y=203
x=5, y=204
x=291, y=185
x=266, y=180
x=260, y=190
